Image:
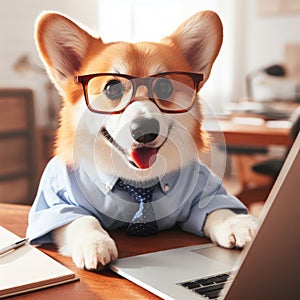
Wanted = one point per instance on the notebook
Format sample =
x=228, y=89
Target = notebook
x=27, y=268
x=267, y=268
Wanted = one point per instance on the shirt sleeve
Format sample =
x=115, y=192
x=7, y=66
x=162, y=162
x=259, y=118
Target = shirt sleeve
x=53, y=207
x=209, y=196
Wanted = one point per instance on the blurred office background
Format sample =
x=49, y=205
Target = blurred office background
x=258, y=34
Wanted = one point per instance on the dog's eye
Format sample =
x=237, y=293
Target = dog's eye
x=163, y=88
x=114, y=89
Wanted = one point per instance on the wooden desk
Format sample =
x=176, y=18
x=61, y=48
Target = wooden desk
x=106, y=285
x=238, y=133
x=249, y=131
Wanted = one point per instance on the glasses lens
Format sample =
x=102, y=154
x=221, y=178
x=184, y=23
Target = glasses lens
x=174, y=92
x=163, y=88
x=109, y=93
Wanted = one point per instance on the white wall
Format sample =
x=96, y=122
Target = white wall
x=260, y=40
x=267, y=36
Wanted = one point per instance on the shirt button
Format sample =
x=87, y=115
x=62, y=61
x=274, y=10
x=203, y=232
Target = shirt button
x=166, y=188
x=106, y=188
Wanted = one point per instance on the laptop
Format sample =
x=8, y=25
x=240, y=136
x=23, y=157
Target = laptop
x=267, y=268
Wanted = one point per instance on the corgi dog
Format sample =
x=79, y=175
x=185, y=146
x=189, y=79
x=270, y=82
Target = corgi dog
x=130, y=112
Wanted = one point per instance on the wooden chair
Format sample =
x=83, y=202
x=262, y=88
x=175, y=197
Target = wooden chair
x=18, y=148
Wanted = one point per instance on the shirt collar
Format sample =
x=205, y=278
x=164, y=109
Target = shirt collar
x=106, y=182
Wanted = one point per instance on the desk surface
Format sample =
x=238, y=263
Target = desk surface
x=249, y=131
x=105, y=285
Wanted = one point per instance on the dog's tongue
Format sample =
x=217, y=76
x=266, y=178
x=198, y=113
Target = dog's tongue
x=143, y=157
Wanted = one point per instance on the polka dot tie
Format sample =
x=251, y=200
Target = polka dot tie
x=143, y=222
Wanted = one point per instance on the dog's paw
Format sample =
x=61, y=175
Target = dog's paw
x=236, y=231
x=96, y=247
x=229, y=230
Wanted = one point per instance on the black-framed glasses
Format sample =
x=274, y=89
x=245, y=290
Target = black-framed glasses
x=110, y=93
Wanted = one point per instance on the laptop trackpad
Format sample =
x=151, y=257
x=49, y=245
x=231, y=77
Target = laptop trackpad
x=226, y=256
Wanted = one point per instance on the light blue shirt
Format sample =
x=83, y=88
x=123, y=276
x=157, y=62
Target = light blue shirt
x=184, y=197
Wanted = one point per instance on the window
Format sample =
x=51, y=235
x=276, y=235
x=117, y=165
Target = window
x=138, y=20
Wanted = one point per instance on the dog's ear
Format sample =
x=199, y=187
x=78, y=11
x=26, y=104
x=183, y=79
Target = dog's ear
x=62, y=45
x=199, y=39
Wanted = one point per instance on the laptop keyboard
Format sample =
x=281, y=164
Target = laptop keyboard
x=209, y=287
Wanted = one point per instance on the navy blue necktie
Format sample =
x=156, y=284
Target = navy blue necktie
x=143, y=222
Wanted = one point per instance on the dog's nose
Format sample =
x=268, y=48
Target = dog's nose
x=144, y=130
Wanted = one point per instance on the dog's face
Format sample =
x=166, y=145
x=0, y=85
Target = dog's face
x=145, y=139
